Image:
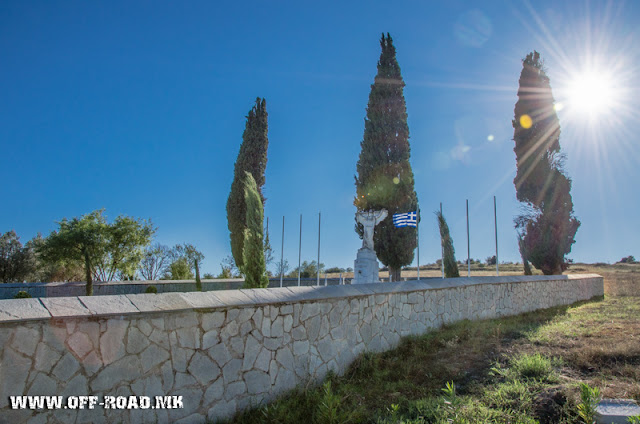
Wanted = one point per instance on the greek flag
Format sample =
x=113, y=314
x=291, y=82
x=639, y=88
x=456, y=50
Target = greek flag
x=409, y=219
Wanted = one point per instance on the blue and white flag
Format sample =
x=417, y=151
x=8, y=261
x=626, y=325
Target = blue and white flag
x=409, y=219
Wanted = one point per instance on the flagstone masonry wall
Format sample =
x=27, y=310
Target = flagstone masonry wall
x=225, y=351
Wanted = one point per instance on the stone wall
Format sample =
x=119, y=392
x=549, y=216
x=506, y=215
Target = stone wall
x=229, y=350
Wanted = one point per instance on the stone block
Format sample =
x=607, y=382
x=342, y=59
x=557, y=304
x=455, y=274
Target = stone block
x=213, y=320
x=66, y=367
x=233, y=298
x=13, y=378
x=202, y=300
x=153, y=356
x=108, y=305
x=25, y=340
x=220, y=354
x=616, y=411
x=45, y=358
x=257, y=382
x=203, y=369
x=231, y=371
x=22, y=310
x=149, y=302
x=62, y=307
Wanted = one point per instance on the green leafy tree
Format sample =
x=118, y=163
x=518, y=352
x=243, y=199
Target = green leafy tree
x=180, y=270
x=17, y=262
x=448, y=252
x=385, y=179
x=193, y=257
x=252, y=158
x=307, y=269
x=125, y=240
x=548, y=225
x=253, y=255
x=101, y=248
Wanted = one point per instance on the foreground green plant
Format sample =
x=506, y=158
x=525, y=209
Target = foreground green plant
x=330, y=410
x=590, y=398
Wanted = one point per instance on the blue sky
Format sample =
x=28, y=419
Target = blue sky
x=139, y=108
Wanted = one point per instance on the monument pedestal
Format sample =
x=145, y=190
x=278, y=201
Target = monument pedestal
x=365, y=269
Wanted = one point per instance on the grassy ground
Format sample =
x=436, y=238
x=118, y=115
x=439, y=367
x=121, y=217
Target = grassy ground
x=522, y=369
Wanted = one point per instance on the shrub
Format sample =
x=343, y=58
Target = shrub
x=533, y=367
x=22, y=295
x=151, y=289
x=590, y=398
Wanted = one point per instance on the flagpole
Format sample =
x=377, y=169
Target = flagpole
x=495, y=220
x=418, y=236
x=318, y=267
x=468, y=245
x=282, y=254
x=441, y=249
x=299, y=250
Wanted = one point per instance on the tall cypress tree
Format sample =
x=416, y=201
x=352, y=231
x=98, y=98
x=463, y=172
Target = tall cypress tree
x=448, y=252
x=252, y=158
x=385, y=178
x=548, y=226
x=253, y=249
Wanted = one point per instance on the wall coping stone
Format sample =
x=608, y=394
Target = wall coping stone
x=22, y=310
x=64, y=307
x=12, y=310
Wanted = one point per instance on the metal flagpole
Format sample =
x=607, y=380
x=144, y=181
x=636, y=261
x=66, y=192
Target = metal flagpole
x=318, y=278
x=282, y=254
x=418, y=236
x=495, y=219
x=441, y=248
x=468, y=246
x=299, y=250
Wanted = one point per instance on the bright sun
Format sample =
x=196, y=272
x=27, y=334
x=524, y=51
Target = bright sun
x=591, y=93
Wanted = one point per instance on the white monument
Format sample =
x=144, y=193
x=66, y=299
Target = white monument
x=365, y=269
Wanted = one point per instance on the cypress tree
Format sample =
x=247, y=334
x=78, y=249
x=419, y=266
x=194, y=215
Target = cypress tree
x=251, y=158
x=253, y=253
x=548, y=226
x=448, y=253
x=385, y=179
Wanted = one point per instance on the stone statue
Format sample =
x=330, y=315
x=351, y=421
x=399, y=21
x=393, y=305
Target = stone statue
x=369, y=220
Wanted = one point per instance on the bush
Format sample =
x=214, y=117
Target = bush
x=22, y=295
x=628, y=260
x=151, y=289
x=334, y=270
x=533, y=367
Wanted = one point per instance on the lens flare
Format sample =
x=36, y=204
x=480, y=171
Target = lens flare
x=525, y=121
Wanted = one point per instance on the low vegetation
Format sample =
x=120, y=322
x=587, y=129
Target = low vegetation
x=548, y=366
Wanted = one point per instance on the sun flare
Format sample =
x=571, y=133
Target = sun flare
x=591, y=93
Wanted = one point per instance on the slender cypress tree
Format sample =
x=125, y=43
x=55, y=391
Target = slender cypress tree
x=251, y=158
x=448, y=253
x=385, y=179
x=253, y=247
x=548, y=226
